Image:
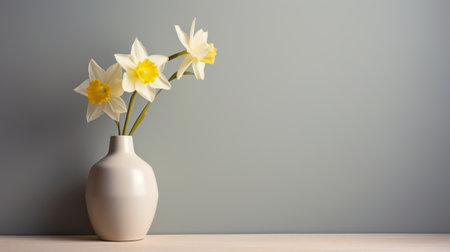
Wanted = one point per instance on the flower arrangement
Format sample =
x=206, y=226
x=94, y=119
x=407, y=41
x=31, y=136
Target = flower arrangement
x=143, y=75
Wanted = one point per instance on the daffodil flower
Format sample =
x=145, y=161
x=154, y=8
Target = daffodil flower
x=103, y=90
x=199, y=51
x=144, y=73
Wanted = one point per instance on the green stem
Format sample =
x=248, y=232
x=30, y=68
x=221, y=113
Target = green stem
x=178, y=54
x=118, y=127
x=142, y=115
x=140, y=118
x=130, y=108
x=174, y=75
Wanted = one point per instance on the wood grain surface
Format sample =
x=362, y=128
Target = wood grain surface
x=234, y=242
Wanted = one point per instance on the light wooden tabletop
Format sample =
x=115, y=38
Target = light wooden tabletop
x=234, y=242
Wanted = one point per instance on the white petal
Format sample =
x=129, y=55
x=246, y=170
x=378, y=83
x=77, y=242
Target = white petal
x=199, y=70
x=199, y=46
x=113, y=72
x=116, y=88
x=95, y=71
x=126, y=61
x=161, y=82
x=202, y=35
x=128, y=82
x=184, y=65
x=81, y=89
x=94, y=111
x=108, y=108
x=138, y=50
x=182, y=37
x=159, y=60
x=118, y=105
x=146, y=91
x=192, y=29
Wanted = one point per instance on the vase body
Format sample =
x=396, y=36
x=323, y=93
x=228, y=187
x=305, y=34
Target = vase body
x=121, y=193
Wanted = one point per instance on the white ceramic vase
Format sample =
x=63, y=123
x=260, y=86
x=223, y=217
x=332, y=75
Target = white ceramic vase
x=121, y=193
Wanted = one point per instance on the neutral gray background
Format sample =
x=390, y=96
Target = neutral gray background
x=318, y=116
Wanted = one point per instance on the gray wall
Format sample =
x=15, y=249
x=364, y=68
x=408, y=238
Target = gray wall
x=318, y=116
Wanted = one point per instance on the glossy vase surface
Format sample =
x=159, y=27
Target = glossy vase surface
x=121, y=193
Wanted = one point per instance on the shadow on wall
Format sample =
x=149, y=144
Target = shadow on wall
x=66, y=214
x=44, y=171
x=66, y=211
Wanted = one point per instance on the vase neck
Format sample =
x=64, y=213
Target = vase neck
x=120, y=144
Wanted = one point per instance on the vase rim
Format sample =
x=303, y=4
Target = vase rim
x=121, y=144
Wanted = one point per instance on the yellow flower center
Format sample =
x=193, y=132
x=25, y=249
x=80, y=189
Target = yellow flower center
x=211, y=56
x=98, y=92
x=147, y=71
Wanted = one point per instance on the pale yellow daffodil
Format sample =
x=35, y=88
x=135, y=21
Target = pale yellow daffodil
x=103, y=90
x=144, y=73
x=199, y=52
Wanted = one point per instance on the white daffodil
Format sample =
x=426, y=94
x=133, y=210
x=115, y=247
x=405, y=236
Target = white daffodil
x=103, y=90
x=199, y=51
x=144, y=73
